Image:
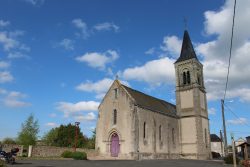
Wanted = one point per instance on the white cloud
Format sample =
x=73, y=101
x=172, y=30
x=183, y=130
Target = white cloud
x=51, y=124
x=172, y=44
x=52, y=115
x=67, y=44
x=98, y=60
x=5, y=76
x=106, y=27
x=154, y=72
x=216, y=52
x=16, y=55
x=4, y=23
x=82, y=26
x=150, y=51
x=4, y=64
x=100, y=87
x=14, y=99
x=89, y=117
x=3, y=91
x=237, y=121
x=80, y=106
x=212, y=111
x=35, y=2
x=7, y=42
x=72, y=108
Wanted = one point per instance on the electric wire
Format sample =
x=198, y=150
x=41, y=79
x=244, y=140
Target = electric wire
x=230, y=52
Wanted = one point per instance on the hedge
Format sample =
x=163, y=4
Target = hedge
x=75, y=155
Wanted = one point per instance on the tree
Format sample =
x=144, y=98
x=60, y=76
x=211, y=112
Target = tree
x=8, y=140
x=64, y=136
x=91, y=140
x=29, y=131
x=50, y=138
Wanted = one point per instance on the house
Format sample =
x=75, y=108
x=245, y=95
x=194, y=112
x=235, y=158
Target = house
x=217, y=145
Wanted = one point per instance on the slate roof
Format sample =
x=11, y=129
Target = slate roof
x=151, y=103
x=214, y=138
x=187, y=50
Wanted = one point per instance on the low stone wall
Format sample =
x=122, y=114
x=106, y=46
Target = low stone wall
x=8, y=147
x=50, y=151
x=47, y=151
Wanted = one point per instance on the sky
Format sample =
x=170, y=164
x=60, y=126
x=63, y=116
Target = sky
x=58, y=58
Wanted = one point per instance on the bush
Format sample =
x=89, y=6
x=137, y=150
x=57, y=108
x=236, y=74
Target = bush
x=75, y=155
x=79, y=155
x=245, y=163
x=2, y=163
x=229, y=159
x=67, y=154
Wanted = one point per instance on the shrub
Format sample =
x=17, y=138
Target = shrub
x=79, y=155
x=67, y=154
x=229, y=159
x=245, y=163
x=2, y=163
x=75, y=155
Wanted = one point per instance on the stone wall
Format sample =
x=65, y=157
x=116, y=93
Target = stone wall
x=8, y=147
x=48, y=151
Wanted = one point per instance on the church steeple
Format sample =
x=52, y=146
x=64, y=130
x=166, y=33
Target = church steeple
x=187, y=50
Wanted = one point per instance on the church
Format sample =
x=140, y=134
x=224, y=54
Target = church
x=134, y=125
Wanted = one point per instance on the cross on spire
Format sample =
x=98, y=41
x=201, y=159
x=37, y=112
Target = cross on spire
x=185, y=23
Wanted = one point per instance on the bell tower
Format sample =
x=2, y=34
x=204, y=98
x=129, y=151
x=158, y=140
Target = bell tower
x=191, y=104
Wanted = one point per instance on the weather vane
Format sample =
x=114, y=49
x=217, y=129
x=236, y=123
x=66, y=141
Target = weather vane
x=185, y=23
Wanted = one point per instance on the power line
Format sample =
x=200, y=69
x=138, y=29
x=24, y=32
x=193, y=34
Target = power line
x=243, y=123
x=230, y=53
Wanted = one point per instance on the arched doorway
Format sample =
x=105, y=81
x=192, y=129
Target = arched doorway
x=114, y=146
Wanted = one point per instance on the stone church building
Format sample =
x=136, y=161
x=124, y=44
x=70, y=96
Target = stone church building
x=133, y=125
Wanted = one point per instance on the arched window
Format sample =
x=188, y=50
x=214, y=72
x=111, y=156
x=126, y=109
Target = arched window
x=188, y=77
x=184, y=78
x=114, y=116
x=160, y=132
x=173, y=137
x=144, y=130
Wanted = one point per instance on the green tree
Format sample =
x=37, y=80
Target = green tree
x=64, y=136
x=29, y=131
x=50, y=138
x=91, y=140
x=8, y=140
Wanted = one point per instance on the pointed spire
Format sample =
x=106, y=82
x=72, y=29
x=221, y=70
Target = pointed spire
x=187, y=50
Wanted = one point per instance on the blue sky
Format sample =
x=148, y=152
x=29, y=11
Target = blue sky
x=58, y=58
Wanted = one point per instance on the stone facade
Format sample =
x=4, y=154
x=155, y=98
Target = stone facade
x=151, y=128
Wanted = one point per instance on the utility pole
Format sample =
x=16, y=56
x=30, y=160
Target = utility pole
x=224, y=128
x=76, y=133
x=233, y=147
x=221, y=144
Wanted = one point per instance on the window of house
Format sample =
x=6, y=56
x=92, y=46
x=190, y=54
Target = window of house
x=114, y=116
x=144, y=130
x=173, y=137
x=160, y=132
